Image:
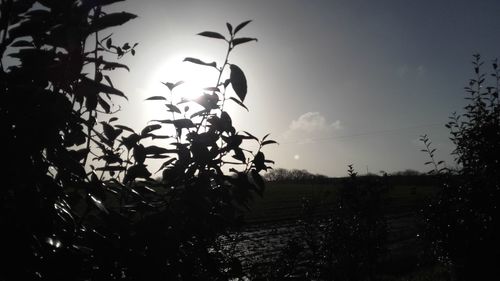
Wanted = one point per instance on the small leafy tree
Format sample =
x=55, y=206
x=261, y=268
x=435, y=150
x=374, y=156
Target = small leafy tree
x=462, y=222
x=347, y=244
x=48, y=113
x=78, y=201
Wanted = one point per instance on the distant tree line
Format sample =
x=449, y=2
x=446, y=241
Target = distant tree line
x=282, y=175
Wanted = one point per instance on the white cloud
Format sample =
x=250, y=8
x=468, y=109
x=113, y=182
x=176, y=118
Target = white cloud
x=311, y=124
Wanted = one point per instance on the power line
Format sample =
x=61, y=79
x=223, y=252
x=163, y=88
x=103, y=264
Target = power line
x=378, y=132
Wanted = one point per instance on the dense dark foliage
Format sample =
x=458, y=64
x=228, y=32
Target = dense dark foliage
x=77, y=199
x=349, y=243
x=281, y=175
x=463, y=221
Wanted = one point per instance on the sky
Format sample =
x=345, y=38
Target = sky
x=335, y=82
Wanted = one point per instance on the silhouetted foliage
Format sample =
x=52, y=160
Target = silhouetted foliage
x=407, y=172
x=463, y=222
x=348, y=244
x=78, y=201
x=294, y=176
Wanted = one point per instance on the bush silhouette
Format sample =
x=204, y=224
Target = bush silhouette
x=78, y=201
x=463, y=222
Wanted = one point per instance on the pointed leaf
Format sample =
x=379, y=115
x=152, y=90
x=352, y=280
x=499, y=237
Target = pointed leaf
x=198, y=61
x=124, y=128
x=22, y=43
x=241, y=25
x=239, y=155
x=153, y=149
x=171, y=86
x=149, y=129
x=156, y=98
x=238, y=81
x=229, y=28
x=268, y=142
x=212, y=34
x=242, y=40
x=173, y=108
x=183, y=123
x=239, y=103
x=109, y=20
x=165, y=164
x=108, y=65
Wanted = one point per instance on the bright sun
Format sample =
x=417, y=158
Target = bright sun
x=195, y=77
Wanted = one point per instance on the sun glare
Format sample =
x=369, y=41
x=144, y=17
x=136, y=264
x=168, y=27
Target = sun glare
x=173, y=70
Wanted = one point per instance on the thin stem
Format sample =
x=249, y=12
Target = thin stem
x=229, y=48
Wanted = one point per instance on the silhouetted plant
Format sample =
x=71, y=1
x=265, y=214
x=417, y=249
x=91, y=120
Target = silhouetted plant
x=355, y=234
x=348, y=244
x=462, y=222
x=65, y=215
x=294, y=176
x=48, y=109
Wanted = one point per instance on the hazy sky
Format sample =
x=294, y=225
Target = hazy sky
x=335, y=82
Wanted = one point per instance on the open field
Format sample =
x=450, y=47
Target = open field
x=272, y=222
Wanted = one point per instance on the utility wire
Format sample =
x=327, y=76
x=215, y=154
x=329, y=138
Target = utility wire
x=314, y=140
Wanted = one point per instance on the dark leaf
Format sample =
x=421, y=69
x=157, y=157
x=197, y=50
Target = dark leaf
x=108, y=80
x=109, y=131
x=153, y=149
x=165, y=164
x=229, y=28
x=251, y=136
x=171, y=86
x=156, y=98
x=201, y=112
x=89, y=83
x=239, y=103
x=198, y=61
x=183, y=123
x=239, y=155
x=242, y=40
x=124, y=128
x=137, y=171
x=109, y=20
x=212, y=34
x=172, y=108
x=139, y=153
x=148, y=129
x=241, y=25
x=107, y=64
x=268, y=142
x=105, y=106
x=238, y=81
x=258, y=161
x=22, y=43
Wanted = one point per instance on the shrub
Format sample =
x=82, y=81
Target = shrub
x=462, y=222
x=78, y=201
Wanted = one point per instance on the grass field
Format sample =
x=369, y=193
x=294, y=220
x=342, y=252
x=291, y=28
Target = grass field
x=272, y=223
